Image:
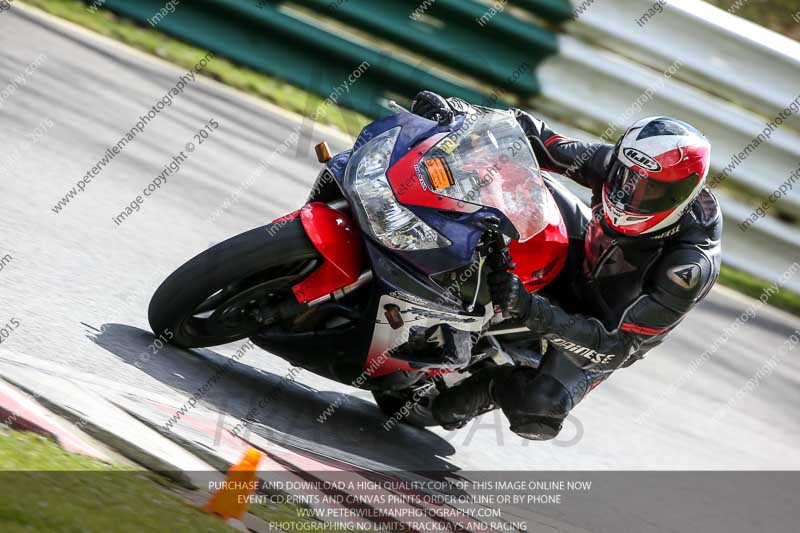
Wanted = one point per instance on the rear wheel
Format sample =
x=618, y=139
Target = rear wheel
x=228, y=292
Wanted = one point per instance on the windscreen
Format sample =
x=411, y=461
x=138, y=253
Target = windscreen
x=488, y=161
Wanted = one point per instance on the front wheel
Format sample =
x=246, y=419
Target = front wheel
x=220, y=295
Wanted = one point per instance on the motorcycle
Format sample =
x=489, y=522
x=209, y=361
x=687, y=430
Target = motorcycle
x=379, y=280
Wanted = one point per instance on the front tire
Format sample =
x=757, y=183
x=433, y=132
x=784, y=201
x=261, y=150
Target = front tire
x=216, y=297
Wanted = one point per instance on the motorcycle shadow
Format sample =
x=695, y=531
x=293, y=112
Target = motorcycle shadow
x=279, y=407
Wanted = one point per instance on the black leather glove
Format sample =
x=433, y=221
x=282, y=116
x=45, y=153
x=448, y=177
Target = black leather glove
x=509, y=294
x=540, y=315
x=430, y=105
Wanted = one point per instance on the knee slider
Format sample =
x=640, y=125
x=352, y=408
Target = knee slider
x=537, y=428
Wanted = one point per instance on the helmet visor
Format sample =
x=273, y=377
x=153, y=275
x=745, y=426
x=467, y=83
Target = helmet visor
x=636, y=193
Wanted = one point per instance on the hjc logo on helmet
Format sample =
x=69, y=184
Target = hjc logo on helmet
x=642, y=159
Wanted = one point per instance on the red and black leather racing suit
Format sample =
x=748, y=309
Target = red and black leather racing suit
x=616, y=299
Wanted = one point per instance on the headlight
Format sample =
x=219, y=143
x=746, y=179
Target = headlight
x=391, y=223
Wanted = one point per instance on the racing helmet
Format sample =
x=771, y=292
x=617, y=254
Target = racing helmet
x=659, y=167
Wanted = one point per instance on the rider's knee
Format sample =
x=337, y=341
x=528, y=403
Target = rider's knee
x=531, y=393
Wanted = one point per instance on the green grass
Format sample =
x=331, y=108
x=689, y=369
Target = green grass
x=754, y=287
x=154, y=42
x=776, y=15
x=46, y=489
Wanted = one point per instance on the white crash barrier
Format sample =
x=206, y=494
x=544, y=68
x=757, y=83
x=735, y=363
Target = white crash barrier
x=723, y=54
x=766, y=249
x=584, y=82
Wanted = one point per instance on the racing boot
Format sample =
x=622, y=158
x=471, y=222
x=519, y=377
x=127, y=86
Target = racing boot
x=456, y=406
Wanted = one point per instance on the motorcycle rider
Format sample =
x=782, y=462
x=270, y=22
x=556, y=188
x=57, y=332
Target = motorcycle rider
x=649, y=252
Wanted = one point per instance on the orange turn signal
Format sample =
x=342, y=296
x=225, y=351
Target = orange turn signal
x=323, y=152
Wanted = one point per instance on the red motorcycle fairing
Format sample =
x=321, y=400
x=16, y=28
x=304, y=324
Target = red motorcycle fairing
x=540, y=259
x=410, y=187
x=338, y=241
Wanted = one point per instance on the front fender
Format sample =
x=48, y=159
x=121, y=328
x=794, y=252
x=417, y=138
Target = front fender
x=341, y=245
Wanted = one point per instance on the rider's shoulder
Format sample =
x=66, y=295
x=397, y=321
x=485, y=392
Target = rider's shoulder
x=702, y=225
x=689, y=264
x=686, y=273
x=707, y=208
